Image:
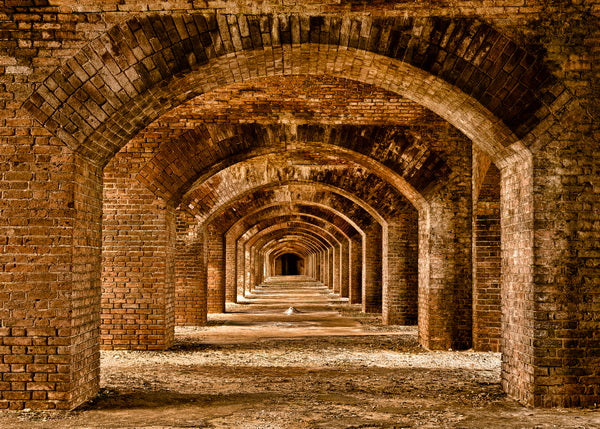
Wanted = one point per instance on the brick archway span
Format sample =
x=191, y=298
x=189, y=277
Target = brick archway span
x=319, y=217
x=276, y=241
x=292, y=234
x=344, y=203
x=238, y=233
x=152, y=63
x=293, y=227
x=259, y=240
x=399, y=154
x=352, y=180
x=276, y=253
x=295, y=221
x=344, y=211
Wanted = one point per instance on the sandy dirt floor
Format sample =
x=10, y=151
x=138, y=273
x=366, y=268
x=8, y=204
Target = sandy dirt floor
x=321, y=365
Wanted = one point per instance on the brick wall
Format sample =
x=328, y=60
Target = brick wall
x=372, y=272
x=486, y=255
x=137, y=259
x=190, y=273
x=400, y=271
x=531, y=65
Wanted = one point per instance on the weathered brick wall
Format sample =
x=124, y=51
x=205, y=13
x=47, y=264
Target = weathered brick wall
x=190, y=273
x=445, y=287
x=486, y=255
x=400, y=271
x=137, y=259
x=549, y=204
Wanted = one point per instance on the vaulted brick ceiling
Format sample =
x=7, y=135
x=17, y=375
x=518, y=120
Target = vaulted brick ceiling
x=160, y=61
x=274, y=114
x=330, y=124
x=323, y=171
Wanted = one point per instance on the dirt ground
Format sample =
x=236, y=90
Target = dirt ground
x=326, y=365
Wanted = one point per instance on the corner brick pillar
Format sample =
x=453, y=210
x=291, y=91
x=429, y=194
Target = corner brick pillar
x=190, y=280
x=331, y=264
x=138, y=261
x=487, y=310
x=550, y=260
x=445, y=268
x=231, y=291
x=356, y=269
x=240, y=284
x=372, y=278
x=50, y=294
x=345, y=266
x=400, y=284
x=214, y=253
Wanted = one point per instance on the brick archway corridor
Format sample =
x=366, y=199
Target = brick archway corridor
x=134, y=152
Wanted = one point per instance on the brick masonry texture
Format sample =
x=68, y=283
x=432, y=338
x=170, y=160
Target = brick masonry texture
x=152, y=151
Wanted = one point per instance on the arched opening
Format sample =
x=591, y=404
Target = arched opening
x=161, y=69
x=289, y=264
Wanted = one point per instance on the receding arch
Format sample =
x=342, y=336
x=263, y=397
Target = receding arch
x=195, y=69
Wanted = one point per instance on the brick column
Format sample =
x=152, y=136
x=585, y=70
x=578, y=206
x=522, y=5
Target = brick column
x=487, y=312
x=50, y=294
x=400, y=285
x=331, y=267
x=356, y=269
x=317, y=266
x=239, y=269
x=214, y=254
x=445, y=267
x=337, y=268
x=190, y=280
x=372, y=277
x=250, y=269
x=345, y=267
x=231, y=291
x=138, y=255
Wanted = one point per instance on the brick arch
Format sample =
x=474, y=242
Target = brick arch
x=235, y=243
x=393, y=152
x=322, y=218
x=330, y=198
x=463, y=69
x=341, y=208
x=320, y=224
x=276, y=234
x=322, y=194
x=349, y=178
x=236, y=235
x=287, y=249
x=279, y=246
x=285, y=245
x=329, y=241
x=274, y=241
x=289, y=222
